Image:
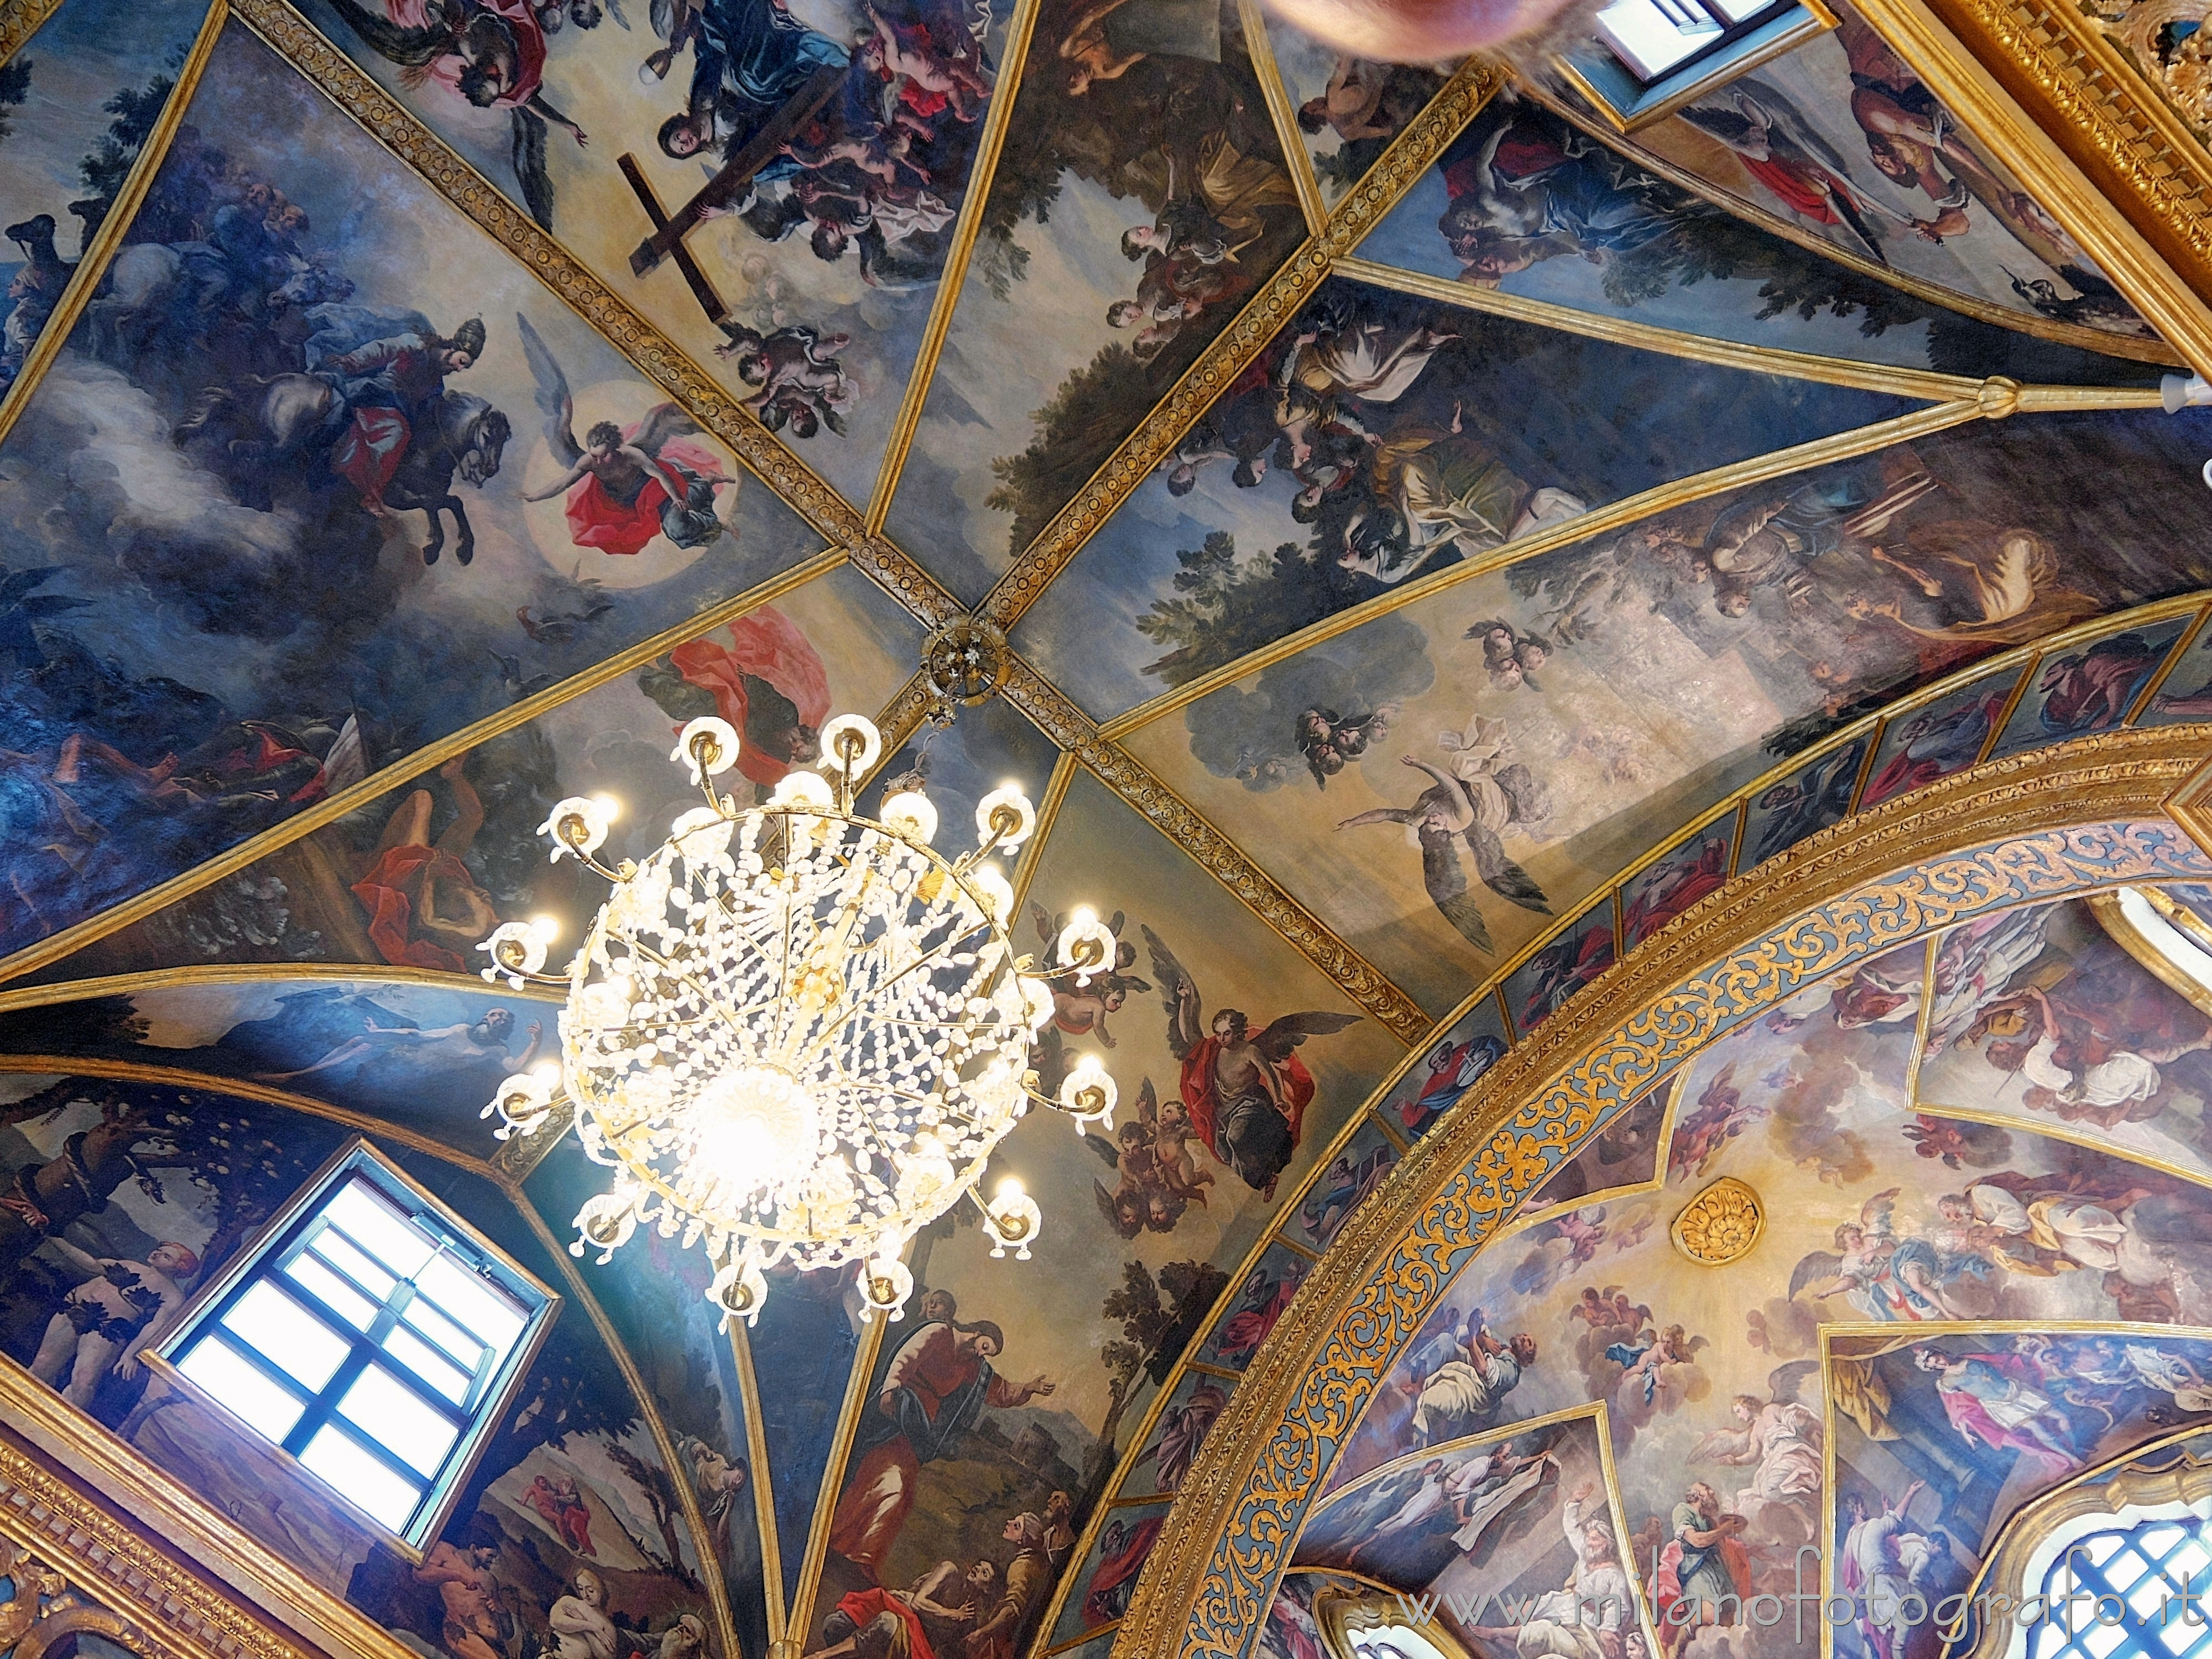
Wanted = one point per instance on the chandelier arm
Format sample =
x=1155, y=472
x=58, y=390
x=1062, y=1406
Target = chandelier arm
x=639, y=947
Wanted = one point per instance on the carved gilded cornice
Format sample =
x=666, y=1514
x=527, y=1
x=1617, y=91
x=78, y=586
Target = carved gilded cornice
x=2091, y=142
x=2084, y=815
x=20, y=20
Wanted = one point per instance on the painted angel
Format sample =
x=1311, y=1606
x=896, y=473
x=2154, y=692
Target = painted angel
x=1451, y=812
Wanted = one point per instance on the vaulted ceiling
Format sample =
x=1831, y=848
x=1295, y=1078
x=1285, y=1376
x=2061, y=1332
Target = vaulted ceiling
x=1442, y=544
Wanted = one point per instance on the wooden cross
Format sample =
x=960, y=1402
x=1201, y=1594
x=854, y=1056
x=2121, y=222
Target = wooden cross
x=726, y=189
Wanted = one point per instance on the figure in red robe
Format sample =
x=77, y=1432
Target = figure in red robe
x=768, y=682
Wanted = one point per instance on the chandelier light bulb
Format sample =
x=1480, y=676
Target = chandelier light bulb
x=851, y=746
x=516, y=949
x=1012, y=1219
x=1005, y=818
x=912, y=815
x=1088, y=1093
x=797, y=1035
x=708, y=747
x=578, y=825
x=1086, y=945
x=804, y=790
x=885, y=1283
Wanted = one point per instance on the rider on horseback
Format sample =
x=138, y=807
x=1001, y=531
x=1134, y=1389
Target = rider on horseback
x=384, y=390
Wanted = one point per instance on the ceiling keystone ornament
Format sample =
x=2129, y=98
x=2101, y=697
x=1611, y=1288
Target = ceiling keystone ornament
x=964, y=662
x=1720, y=1225
x=797, y=1034
x=2191, y=806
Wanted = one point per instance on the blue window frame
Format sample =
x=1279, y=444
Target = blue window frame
x=1649, y=57
x=371, y=1336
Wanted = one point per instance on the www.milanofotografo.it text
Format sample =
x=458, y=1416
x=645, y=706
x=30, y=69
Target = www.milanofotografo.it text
x=2075, y=1611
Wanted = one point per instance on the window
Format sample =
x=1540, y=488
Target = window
x=2166, y=930
x=372, y=1337
x=2137, y=1574
x=1649, y=57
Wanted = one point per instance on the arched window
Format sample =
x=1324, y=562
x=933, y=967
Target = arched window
x=2120, y=1586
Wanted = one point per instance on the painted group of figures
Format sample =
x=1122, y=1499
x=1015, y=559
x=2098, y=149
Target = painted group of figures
x=872, y=164
x=1527, y=186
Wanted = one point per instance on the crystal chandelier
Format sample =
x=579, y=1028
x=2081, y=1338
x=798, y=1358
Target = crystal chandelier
x=794, y=1033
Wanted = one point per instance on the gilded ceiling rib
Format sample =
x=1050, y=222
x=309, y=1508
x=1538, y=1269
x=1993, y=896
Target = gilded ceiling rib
x=2175, y=652
x=1202, y=1591
x=833, y=1474
x=1966, y=304
x=1055, y=796
x=763, y=1485
x=431, y=755
x=1409, y=156
x=20, y=20
x=130, y=1071
x=687, y=1495
x=293, y=38
x=947, y=300
x=1075, y=1642
x=2061, y=1131
x=1283, y=112
x=51, y=1506
x=92, y=265
x=255, y=973
x=1215, y=852
x=1697, y=348
x=1598, y=521
x=2134, y=153
x=1524, y=1219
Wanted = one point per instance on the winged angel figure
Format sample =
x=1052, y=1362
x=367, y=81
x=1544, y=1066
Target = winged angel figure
x=1245, y=1094
x=628, y=484
x=1469, y=805
x=490, y=54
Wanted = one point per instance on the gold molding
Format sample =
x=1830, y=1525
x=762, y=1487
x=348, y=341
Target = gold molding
x=1923, y=383
x=178, y=1076
x=54, y=1458
x=1995, y=400
x=20, y=19
x=1949, y=298
x=1356, y=213
x=49, y=992
x=952, y=278
x=1282, y=109
x=1340, y=1614
x=427, y=758
x=1804, y=914
x=2105, y=907
x=857, y=1396
x=92, y=264
x=2098, y=149
x=1213, y=852
x=762, y=1483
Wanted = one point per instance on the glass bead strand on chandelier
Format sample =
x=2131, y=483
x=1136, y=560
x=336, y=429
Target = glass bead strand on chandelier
x=795, y=1034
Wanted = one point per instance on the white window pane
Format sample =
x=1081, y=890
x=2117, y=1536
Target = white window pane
x=370, y=1221
x=384, y=1407
x=340, y=1297
x=1651, y=41
x=366, y=1484
x=461, y=1346
x=335, y=1248
x=260, y=1404
x=1738, y=11
x=473, y=1303
x=427, y=1362
x=285, y=1332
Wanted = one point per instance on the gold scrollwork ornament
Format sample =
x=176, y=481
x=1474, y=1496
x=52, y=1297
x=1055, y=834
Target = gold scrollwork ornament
x=1720, y=1225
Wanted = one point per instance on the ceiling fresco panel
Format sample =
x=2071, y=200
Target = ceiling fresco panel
x=823, y=265
x=2089, y=686
x=1347, y=109
x=419, y=875
x=1145, y=1227
x=653, y=1294
x=1456, y=1061
x=573, y=1480
x=1842, y=140
x=1130, y=216
x=1382, y=437
x=223, y=633
x=1784, y=813
x=1590, y=695
x=78, y=101
x=425, y=1058
x=1526, y=202
x=2062, y=1029
x=1266, y=1291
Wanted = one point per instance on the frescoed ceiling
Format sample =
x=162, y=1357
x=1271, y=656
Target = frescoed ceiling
x=1442, y=544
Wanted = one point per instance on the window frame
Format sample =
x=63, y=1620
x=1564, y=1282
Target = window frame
x=1627, y=103
x=265, y=1257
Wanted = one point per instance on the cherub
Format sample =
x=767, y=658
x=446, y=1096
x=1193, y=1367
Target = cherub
x=1171, y=1136
x=1080, y=1009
